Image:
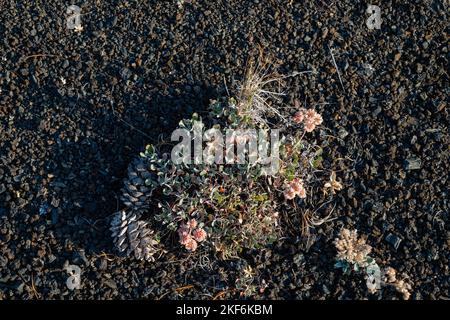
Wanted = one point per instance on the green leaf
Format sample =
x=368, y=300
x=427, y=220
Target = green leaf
x=370, y=260
x=149, y=149
x=317, y=162
x=260, y=197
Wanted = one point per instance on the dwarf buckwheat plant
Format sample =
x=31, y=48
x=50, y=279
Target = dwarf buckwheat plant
x=352, y=250
x=399, y=284
x=353, y=254
x=229, y=207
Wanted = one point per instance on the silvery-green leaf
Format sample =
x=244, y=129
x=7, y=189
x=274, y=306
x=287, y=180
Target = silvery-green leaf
x=339, y=264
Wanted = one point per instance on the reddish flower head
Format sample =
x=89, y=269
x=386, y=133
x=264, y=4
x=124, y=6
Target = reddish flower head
x=185, y=238
x=299, y=116
x=191, y=245
x=309, y=117
x=192, y=224
x=199, y=234
x=289, y=193
x=294, y=188
x=309, y=126
x=302, y=193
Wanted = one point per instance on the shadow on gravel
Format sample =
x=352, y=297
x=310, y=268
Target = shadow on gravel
x=86, y=172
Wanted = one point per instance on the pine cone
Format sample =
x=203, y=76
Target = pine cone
x=135, y=193
x=132, y=236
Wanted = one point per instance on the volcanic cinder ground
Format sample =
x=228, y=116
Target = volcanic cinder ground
x=76, y=107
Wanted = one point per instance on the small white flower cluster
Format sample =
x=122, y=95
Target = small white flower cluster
x=351, y=248
x=400, y=285
x=354, y=251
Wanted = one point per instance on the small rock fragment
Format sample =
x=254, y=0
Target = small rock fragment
x=110, y=283
x=43, y=209
x=342, y=133
x=413, y=163
x=299, y=259
x=394, y=240
x=74, y=281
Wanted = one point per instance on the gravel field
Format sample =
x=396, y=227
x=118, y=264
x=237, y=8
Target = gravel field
x=77, y=107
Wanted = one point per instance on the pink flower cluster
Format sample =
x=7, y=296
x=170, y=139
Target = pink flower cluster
x=309, y=117
x=294, y=188
x=190, y=235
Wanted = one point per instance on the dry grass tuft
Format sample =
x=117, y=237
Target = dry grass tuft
x=259, y=92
